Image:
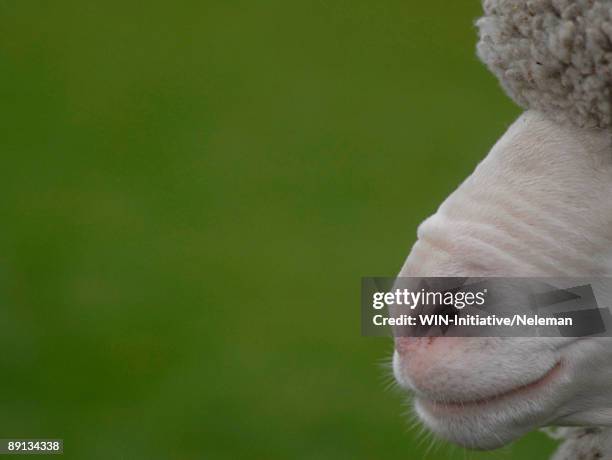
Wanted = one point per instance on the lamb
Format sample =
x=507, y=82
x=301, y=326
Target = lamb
x=539, y=204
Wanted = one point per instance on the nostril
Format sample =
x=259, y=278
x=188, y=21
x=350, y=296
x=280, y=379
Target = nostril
x=432, y=321
x=445, y=312
x=405, y=345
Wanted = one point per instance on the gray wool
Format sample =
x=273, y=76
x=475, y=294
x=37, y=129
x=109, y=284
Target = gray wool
x=552, y=55
x=583, y=443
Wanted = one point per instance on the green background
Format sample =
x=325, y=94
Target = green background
x=190, y=194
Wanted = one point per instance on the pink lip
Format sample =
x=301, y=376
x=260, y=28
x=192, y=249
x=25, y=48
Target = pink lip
x=461, y=405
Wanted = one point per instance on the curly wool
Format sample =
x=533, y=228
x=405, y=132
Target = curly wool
x=552, y=55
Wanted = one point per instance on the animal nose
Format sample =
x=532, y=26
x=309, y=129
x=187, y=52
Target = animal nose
x=407, y=345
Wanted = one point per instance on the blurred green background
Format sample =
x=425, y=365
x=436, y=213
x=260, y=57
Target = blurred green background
x=191, y=192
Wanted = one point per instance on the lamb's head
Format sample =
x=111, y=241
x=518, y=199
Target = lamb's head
x=540, y=204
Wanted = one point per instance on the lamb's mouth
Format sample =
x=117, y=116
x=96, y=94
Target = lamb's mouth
x=454, y=406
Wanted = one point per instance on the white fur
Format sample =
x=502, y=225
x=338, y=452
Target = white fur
x=540, y=204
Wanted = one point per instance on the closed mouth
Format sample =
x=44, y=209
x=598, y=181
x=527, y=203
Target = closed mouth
x=475, y=403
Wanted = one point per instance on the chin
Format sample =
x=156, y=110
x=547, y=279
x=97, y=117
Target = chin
x=490, y=423
x=510, y=388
